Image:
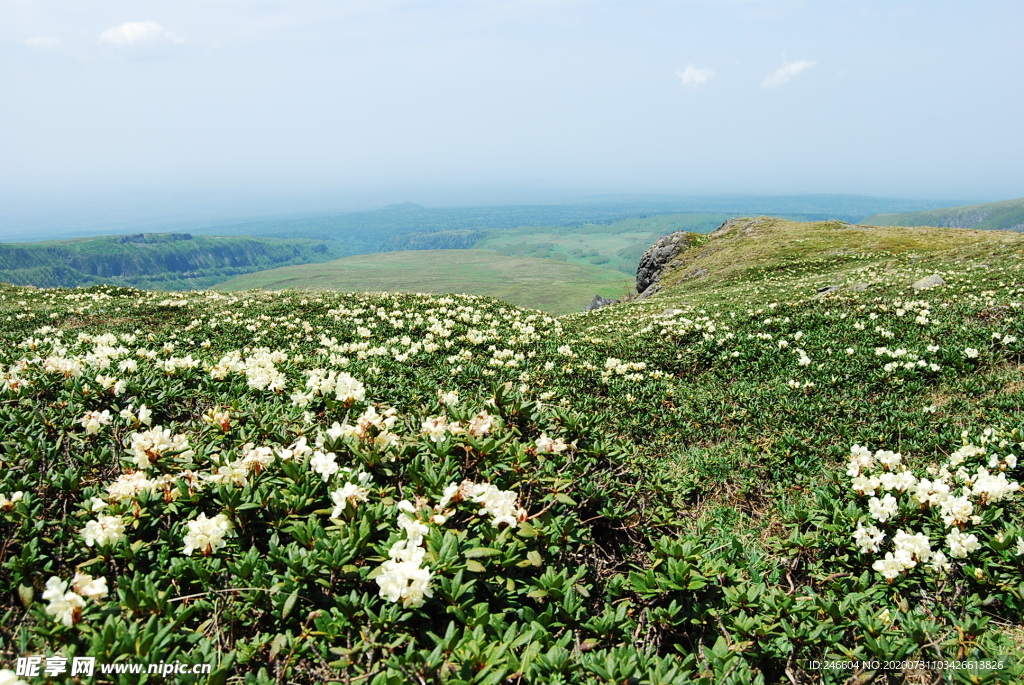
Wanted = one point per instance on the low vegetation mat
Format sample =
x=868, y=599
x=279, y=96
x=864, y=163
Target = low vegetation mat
x=790, y=468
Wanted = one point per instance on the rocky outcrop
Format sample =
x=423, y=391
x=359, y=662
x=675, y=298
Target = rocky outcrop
x=657, y=257
x=599, y=302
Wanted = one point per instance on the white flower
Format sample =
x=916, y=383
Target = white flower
x=500, y=504
x=961, y=545
x=546, y=444
x=105, y=530
x=448, y=495
x=882, y=510
x=404, y=581
x=129, y=484
x=970, y=353
x=94, y=420
x=435, y=427
x=481, y=424
x=939, y=563
x=868, y=539
x=350, y=492
x=929, y=493
x=890, y=567
x=347, y=389
x=450, y=398
x=888, y=459
x=993, y=488
x=7, y=504
x=1020, y=546
x=9, y=677
x=207, y=535
x=956, y=510
x=148, y=446
x=860, y=459
x=917, y=546
x=87, y=586
x=65, y=607
x=324, y=464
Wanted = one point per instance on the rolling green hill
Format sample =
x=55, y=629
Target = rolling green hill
x=170, y=261
x=800, y=462
x=1000, y=216
x=549, y=285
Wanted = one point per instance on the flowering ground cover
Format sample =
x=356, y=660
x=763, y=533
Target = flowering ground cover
x=727, y=482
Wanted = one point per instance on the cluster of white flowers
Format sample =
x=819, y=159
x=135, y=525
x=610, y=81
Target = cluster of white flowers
x=501, y=505
x=148, y=446
x=904, y=360
x=207, y=534
x=320, y=382
x=553, y=445
x=617, y=367
x=137, y=417
x=371, y=427
x=955, y=495
x=66, y=605
x=403, y=577
x=351, y=493
x=104, y=530
x=259, y=368
x=94, y=420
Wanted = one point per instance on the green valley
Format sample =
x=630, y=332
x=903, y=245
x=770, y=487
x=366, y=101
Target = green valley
x=557, y=287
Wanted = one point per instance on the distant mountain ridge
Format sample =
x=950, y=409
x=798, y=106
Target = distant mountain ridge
x=170, y=261
x=993, y=216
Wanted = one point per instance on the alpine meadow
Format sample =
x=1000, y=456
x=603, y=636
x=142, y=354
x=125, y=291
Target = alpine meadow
x=801, y=451
x=511, y=342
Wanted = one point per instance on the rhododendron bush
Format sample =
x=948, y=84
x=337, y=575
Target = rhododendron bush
x=316, y=487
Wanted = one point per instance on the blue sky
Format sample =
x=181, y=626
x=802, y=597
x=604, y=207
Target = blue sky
x=354, y=103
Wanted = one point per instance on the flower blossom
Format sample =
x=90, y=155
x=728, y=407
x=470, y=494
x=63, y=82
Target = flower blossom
x=207, y=534
x=105, y=530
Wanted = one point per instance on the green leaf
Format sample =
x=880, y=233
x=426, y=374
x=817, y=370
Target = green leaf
x=478, y=552
x=289, y=604
x=565, y=499
x=26, y=593
x=475, y=566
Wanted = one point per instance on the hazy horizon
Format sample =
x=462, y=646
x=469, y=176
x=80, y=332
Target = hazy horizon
x=160, y=112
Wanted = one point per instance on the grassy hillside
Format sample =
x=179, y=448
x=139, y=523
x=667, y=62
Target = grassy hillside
x=172, y=261
x=999, y=216
x=616, y=245
x=742, y=479
x=552, y=286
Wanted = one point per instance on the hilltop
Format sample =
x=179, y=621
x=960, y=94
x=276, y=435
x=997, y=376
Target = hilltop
x=1000, y=216
x=795, y=453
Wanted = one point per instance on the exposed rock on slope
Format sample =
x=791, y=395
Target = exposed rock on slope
x=657, y=258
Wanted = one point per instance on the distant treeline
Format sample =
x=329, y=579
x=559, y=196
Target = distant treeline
x=168, y=261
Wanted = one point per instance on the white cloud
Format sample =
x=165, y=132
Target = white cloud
x=138, y=33
x=43, y=42
x=785, y=73
x=693, y=77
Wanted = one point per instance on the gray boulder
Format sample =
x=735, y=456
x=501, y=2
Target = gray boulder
x=657, y=257
x=599, y=302
x=929, y=282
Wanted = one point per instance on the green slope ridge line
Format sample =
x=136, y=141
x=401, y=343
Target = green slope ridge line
x=1000, y=216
